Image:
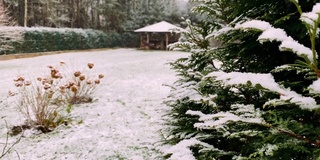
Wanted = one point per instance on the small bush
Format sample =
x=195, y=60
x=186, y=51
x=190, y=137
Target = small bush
x=46, y=100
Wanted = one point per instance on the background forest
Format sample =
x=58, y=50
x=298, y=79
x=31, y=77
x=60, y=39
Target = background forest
x=106, y=15
x=111, y=22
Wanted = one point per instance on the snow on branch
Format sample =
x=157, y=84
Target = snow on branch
x=268, y=149
x=297, y=48
x=185, y=90
x=267, y=81
x=240, y=113
x=269, y=33
x=178, y=46
x=254, y=24
x=219, y=32
x=274, y=34
x=311, y=18
x=316, y=8
x=182, y=150
x=314, y=87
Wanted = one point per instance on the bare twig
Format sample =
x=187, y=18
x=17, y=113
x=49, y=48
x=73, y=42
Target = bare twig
x=7, y=138
x=17, y=154
x=6, y=149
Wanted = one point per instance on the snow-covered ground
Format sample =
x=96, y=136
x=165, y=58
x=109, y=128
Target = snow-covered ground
x=123, y=123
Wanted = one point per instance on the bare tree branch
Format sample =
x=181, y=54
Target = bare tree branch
x=6, y=149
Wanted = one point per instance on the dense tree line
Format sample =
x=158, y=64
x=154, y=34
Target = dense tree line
x=107, y=15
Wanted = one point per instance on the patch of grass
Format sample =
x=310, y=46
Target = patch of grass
x=117, y=156
x=121, y=102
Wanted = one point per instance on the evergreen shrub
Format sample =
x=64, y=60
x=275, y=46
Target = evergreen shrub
x=245, y=99
x=43, y=39
x=129, y=39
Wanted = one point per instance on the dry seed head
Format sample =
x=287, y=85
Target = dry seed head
x=12, y=93
x=82, y=77
x=90, y=65
x=18, y=84
x=51, y=67
x=47, y=86
x=44, y=80
x=89, y=82
x=39, y=78
x=97, y=81
x=101, y=76
x=74, y=89
x=67, y=86
x=71, y=83
x=55, y=73
x=62, y=89
x=58, y=75
x=77, y=73
x=62, y=62
x=27, y=83
x=20, y=78
x=50, y=93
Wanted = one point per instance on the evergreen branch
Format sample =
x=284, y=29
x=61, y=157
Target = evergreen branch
x=291, y=134
x=295, y=2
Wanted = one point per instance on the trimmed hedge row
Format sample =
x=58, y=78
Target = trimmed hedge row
x=43, y=39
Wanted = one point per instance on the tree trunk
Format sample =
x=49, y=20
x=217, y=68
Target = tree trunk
x=78, y=14
x=93, y=18
x=98, y=16
x=72, y=13
x=25, y=13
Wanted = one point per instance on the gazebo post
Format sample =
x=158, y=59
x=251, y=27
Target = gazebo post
x=148, y=41
x=141, y=40
x=167, y=40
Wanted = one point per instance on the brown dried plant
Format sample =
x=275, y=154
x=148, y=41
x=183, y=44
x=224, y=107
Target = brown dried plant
x=38, y=101
x=42, y=100
x=81, y=85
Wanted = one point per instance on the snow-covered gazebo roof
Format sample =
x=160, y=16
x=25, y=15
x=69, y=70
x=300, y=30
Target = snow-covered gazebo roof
x=159, y=35
x=162, y=26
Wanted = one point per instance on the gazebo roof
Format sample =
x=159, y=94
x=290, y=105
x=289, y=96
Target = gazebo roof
x=162, y=26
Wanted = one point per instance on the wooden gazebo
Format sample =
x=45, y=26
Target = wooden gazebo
x=158, y=36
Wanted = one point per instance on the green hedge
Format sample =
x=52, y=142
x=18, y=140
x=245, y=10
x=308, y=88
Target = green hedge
x=43, y=39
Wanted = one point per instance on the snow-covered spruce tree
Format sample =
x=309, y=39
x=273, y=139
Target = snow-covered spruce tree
x=221, y=112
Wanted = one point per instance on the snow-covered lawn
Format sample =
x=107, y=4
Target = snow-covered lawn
x=123, y=123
